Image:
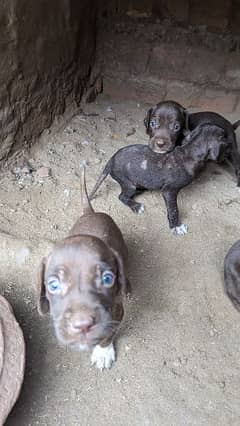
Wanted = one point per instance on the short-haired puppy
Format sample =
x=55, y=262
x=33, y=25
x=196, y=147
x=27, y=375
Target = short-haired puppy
x=232, y=274
x=82, y=283
x=137, y=168
x=167, y=121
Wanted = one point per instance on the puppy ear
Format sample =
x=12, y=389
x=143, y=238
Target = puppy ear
x=121, y=274
x=147, y=119
x=42, y=301
x=187, y=136
x=216, y=151
x=186, y=117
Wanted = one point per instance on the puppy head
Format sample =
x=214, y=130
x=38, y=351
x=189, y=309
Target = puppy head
x=79, y=284
x=217, y=142
x=164, y=124
x=209, y=139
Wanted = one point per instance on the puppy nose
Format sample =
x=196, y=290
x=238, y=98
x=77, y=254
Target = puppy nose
x=83, y=324
x=161, y=142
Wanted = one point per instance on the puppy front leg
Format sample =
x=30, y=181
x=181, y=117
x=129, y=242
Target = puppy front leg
x=170, y=198
x=103, y=355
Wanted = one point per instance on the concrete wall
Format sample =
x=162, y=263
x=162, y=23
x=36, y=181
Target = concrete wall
x=46, y=52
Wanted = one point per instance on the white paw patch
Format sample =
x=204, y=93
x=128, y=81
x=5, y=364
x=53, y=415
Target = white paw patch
x=179, y=230
x=103, y=357
x=141, y=209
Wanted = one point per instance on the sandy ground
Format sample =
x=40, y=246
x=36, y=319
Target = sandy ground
x=178, y=349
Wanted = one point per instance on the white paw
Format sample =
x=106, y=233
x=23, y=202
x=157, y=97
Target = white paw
x=141, y=209
x=179, y=230
x=103, y=357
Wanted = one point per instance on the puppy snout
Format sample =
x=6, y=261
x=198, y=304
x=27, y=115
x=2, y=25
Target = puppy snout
x=82, y=324
x=161, y=142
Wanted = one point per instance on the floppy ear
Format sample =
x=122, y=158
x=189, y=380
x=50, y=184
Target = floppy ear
x=187, y=136
x=147, y=119
x=121, y=274
x=216, y=151
x=42, y=301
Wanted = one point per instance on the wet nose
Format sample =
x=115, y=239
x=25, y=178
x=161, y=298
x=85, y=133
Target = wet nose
x=82, y=324
x=161, y=142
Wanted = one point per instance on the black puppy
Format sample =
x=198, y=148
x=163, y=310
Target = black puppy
x=164, y=124
x=232, y=154
x=137, y=168
x=232, y=274
x=163, y=114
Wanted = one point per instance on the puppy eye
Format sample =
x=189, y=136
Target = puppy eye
x=176, y=127
x=108, y=279
x=53, y=285
x=152, y=123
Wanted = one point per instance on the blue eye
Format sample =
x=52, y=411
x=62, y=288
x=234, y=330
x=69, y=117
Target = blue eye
x=53, y=285
x=107, y=279
x=152, y=123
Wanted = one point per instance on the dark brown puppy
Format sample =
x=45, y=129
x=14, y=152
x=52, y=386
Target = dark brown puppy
x=232, y=153
x=137, y=168
x=82, y=281
x=160, y=117
x=164, y=124
x=232, y=274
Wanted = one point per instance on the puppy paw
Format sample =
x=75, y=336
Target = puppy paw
x=179, y=230
x=103, y=357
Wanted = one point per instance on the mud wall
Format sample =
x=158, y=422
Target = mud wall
x=216, y=15
x=46, y=53
x=149, y=51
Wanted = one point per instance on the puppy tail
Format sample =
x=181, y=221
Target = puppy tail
x=85, y=202
x=101, y=178
x=236, y=124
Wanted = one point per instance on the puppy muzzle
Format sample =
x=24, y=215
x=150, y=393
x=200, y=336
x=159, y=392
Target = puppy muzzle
x=83, y=329
x=161, y=145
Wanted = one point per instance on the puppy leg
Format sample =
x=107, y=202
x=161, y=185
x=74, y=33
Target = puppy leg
x=126, y=196
x=103, y=355
x=176, y=227
x=234, y=157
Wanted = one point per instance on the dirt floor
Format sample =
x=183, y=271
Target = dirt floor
x=178, y=349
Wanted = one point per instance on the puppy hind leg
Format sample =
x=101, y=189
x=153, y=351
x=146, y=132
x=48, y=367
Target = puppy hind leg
x=126, y=197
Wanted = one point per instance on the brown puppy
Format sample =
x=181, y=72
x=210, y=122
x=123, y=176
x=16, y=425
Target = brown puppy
x=82, y=281
x=232, y=274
